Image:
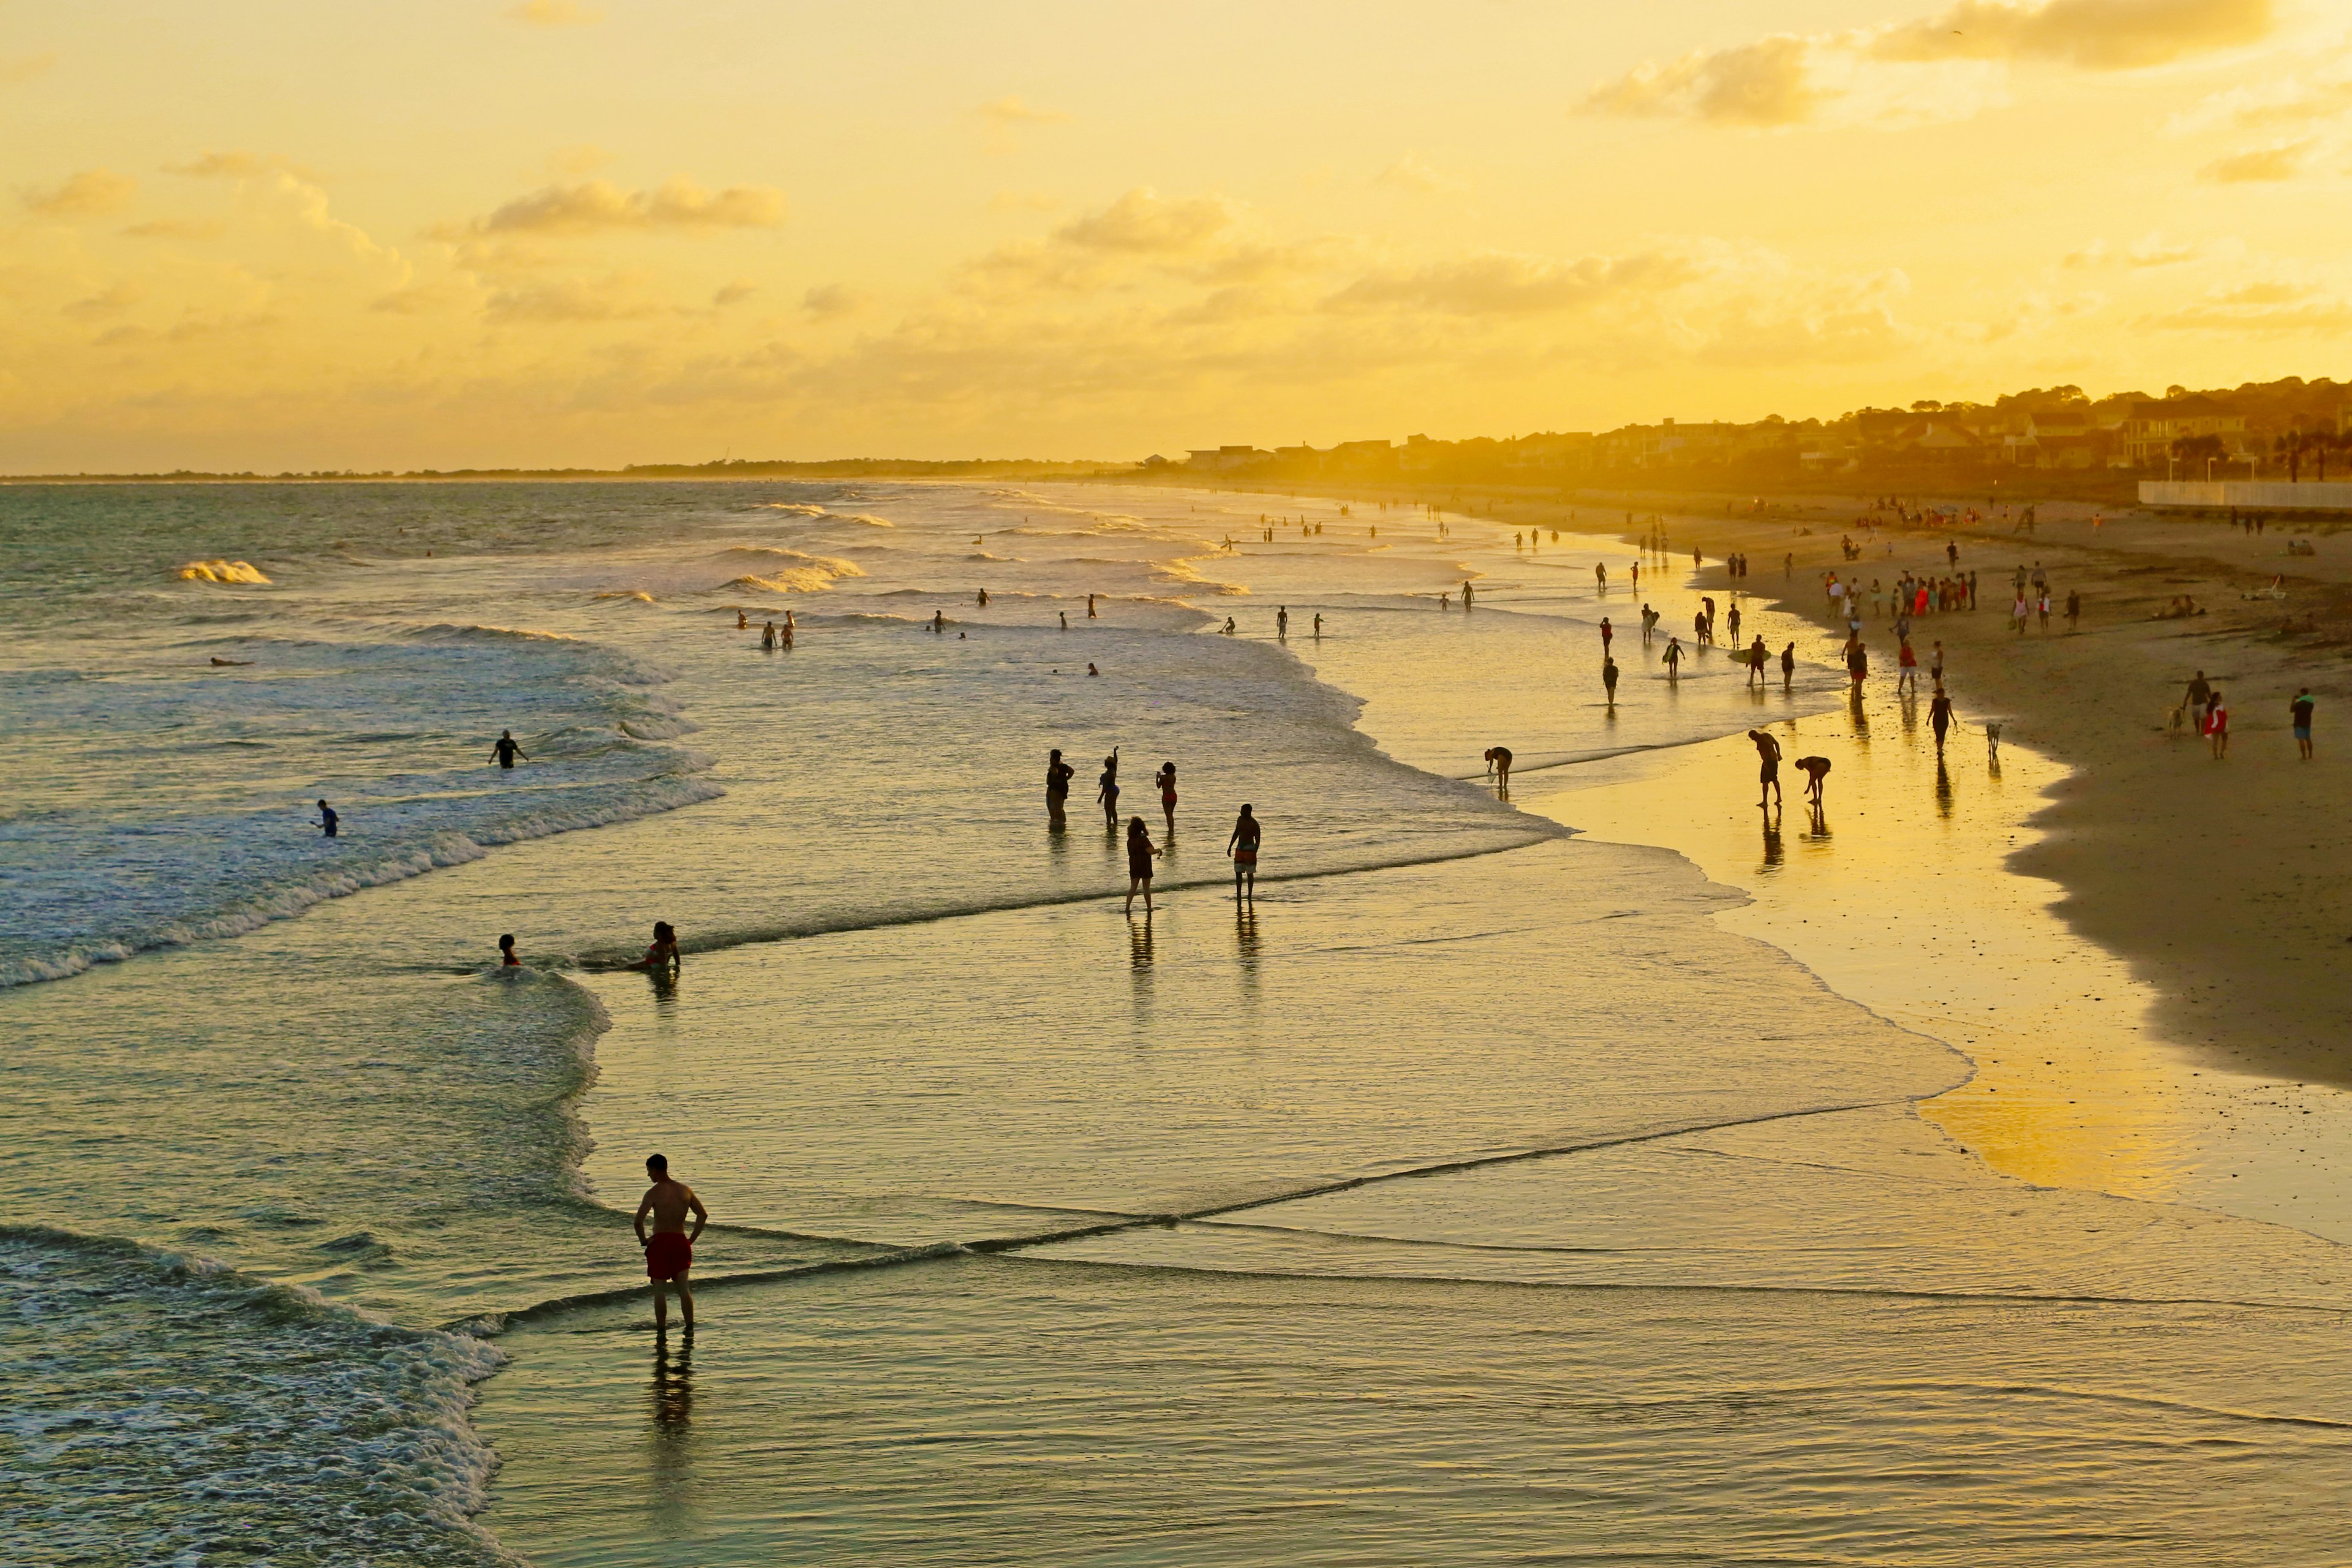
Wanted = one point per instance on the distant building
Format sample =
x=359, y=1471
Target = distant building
x=2155, y=423
x=1218, y=458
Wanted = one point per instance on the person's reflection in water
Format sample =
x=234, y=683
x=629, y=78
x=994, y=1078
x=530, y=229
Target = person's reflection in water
x=664, y=985
x=669, y=1473
x=1246, y=945
x=672, y=1389
x=1139, y=963
x=1943, y=787
x=1859, y=716
x=1771, y=840
x=1818, y=825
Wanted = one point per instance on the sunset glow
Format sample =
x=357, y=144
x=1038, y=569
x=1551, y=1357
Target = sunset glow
x=266, y=236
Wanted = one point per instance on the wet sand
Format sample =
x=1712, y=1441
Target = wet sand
x=2186, y=1043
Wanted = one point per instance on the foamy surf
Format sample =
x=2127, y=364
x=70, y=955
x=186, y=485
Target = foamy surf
x=221, y=572
x=162, y=1407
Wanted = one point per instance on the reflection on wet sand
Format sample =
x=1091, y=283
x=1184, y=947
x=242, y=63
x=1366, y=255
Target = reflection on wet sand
x=1911, y=911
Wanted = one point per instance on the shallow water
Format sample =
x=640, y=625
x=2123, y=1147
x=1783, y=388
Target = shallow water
x=1473, y=1191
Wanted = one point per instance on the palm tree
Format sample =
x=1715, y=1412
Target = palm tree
x=2291, y=447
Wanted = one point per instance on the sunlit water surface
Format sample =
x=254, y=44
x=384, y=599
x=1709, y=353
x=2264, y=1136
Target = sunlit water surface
x=1475, y=1193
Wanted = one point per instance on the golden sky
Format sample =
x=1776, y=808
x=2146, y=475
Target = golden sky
x=255, y=233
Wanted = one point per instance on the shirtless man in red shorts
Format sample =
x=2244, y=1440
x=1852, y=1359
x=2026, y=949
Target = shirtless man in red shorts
x=669, y=1252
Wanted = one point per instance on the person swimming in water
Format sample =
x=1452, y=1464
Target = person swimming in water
x=328, y=821
x=1243, y=847
x=663, y=955
x=506, y=959
x=504, y=751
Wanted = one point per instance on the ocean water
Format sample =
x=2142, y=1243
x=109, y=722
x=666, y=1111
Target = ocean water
x=1476, y=1193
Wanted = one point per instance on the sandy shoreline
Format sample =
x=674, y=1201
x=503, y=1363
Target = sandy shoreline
x=2221, y=885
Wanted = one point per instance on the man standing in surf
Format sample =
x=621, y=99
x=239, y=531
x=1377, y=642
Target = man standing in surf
x=1243, y=847
x=669, y=1251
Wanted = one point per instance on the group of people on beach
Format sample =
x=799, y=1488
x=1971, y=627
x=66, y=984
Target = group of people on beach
x=1240, y=844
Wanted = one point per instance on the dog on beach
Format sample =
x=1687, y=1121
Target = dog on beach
x=1992, y=742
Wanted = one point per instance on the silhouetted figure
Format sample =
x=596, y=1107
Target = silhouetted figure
x=1767, y=755
x=1815, y=770
x=669, y=1250
x=1243, y=847
x=1058, y=774
x=1141, y=853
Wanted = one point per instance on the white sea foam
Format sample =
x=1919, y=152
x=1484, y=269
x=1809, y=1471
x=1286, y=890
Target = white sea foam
x=161, y=1405
x=221, y=572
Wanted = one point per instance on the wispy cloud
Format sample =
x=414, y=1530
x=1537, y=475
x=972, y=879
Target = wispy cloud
x=1500, y=284
x=829, y=300
x=111, y=300
x=1411, y=173
x=1869, y=75
x=677, y=206
x=2262, y=310
x=570, y=300
x=555, y=13
x=1142, y=232
x=90, y=194
x=580, y=158
x=2093, y=34
x=1766, y=83
x=1012, y=110
x=178, y=228
x=2151, y=250
x=733, y=292
x=25, y=67
x=2257, y=165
